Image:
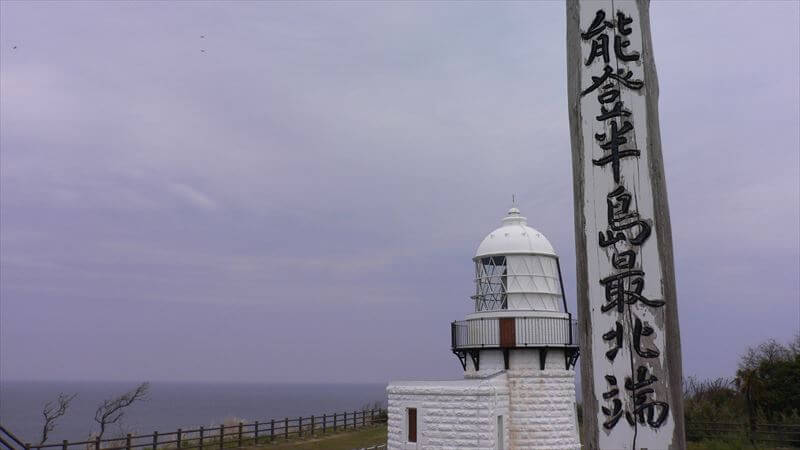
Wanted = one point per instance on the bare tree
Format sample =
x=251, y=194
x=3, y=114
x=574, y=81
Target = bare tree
x=794, y=346
x=111, y=411
x=52, y=411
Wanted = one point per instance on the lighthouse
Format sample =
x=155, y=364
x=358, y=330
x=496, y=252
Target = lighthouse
x=518, y=351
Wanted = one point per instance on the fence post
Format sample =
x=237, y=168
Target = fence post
x=312, y=425
x=372, y=416
x=155, y=440
x=324, y=419
x=221, y=435
x=178, y=438
x=240, y=434
x=334, y=422
x=363, y=417
x=97, y=443
x=299, y=426
x=355, y=419
x=201, y=437
x=28, y=446
x=286, y=428
x=128, y=442
x=271, y=430
x=255, y=434
x=64, y=444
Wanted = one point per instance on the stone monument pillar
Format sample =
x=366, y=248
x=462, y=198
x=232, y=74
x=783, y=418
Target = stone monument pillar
x=631, y=367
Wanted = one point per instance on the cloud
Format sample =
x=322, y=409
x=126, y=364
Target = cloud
x=336, y=165
x=192, y=196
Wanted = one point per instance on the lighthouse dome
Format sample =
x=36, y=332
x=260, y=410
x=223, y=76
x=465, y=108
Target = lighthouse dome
x=514, y=237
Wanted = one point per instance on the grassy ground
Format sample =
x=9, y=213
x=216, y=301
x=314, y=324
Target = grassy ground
x=347, y=440
x=732, y=444
x=369, y=436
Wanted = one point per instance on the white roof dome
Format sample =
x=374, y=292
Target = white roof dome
x=514, y=237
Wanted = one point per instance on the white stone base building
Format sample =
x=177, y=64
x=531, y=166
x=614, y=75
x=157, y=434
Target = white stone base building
x=450, y=414
x=517, y=352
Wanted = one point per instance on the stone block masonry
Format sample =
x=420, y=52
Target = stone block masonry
x=542, y=409
x=450, y=414
x=538, y=410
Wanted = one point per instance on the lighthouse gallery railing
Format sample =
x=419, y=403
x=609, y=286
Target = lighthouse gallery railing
x=529, y=332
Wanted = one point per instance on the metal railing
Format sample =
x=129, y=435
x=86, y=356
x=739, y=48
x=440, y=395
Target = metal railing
x=528, y=332
x=8, y=440
x=217, y=437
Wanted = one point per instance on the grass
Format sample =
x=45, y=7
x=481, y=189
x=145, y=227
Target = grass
x=374, y=435
x=369, y=436
x=729, y=444
x=345, y=440
x=366, y=436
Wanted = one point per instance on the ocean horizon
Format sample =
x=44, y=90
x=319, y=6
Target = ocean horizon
x=173, y=405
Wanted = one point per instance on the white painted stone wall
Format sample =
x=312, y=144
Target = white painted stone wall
x=490, y=363
x=542, y=403
x=538, y=408
x=450, y=414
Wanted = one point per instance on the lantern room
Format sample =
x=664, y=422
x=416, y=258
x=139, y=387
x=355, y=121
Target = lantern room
x=519, y=303
x=516, y=268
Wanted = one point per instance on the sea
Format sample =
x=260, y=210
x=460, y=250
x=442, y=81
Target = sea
x=175, y=405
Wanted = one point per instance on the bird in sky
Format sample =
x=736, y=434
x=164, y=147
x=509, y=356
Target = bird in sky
x=14, y=47
x=202, y=36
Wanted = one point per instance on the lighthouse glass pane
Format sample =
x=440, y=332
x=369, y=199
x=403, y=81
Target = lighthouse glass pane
x=533, y=283
x=491, y=283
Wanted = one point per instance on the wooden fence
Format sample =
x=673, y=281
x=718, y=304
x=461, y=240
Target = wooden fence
x=217, y=437
x=788, y=435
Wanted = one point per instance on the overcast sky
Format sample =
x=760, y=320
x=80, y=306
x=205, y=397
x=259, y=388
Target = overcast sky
x=297, y=195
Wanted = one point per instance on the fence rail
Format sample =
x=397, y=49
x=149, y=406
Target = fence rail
x=216, y=437
x=772, y=433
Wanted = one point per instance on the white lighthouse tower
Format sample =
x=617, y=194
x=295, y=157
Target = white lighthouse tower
x=517, y=349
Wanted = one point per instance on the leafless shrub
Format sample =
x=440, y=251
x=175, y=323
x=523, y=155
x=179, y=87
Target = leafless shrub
x=53, y=411
x=111, y=411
